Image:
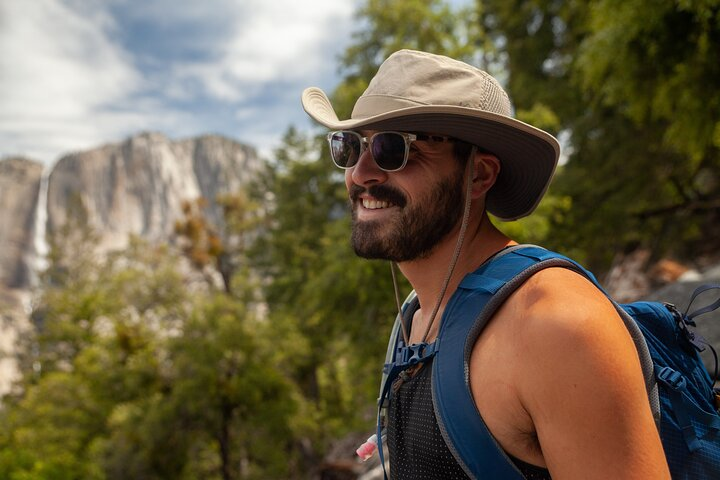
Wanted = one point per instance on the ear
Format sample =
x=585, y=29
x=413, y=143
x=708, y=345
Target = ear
x=486, y=171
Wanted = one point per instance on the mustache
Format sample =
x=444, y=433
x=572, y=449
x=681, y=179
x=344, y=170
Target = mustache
x=383, y=193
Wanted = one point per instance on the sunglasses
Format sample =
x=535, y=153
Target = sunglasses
x=390, y=150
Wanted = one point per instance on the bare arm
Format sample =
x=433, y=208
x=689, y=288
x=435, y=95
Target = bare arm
x=557, y=379
x=582, y=384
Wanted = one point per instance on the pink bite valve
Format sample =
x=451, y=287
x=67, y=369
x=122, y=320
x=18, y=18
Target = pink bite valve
x=368, y=448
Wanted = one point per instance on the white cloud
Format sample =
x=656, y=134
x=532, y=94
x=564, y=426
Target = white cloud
x=68, y=82
x=57, y=68
x=57, y=63
x=282, y=40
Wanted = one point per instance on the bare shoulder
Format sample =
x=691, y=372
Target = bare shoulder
x=562, y=291
x=560, y=307
x=559, y=295
x=565, y=325
x=579, y=379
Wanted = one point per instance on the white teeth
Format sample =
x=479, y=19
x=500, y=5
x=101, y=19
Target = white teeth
x=375, y=204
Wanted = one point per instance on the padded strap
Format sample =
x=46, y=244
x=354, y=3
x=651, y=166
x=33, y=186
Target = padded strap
x=477, y=299
x=390, y=355
x=461, y=425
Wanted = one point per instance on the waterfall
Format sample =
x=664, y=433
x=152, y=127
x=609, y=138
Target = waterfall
x=41, y=249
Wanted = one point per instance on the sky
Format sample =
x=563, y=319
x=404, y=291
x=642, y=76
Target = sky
x=76, y=74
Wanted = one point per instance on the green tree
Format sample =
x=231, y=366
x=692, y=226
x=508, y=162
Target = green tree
x=136, y=375
x=390, y=25
x=220, y=408
x=211, y=249
x=326, y=306
x=92, y=329
x=632, y=88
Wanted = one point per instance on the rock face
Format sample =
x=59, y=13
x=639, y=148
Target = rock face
x=19, y=185
x=708, y=325
x=138, y=187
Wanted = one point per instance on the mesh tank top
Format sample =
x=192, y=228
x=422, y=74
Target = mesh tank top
x=417, y=448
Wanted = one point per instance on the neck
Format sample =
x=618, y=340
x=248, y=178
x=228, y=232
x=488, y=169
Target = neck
x=427, y=275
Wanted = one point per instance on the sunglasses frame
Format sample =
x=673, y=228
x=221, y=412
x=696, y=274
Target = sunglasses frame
x=366, y=142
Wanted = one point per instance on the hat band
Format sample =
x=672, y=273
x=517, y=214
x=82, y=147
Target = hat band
x=372, y=105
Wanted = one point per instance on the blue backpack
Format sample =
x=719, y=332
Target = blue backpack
x=679, y=386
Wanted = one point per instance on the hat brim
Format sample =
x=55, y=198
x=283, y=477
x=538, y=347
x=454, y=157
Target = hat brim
x=528, y=155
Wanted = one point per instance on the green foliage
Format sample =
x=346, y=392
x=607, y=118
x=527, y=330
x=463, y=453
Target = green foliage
x=211, y=251
x=201, y=242
x=56, y=419
x=537, y=228
x=664, y=67
x=634, y=87
x=326, y=305
x=430, y=25
x=133, y=374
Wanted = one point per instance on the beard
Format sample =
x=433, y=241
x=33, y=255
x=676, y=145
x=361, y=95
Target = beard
x=416, y=230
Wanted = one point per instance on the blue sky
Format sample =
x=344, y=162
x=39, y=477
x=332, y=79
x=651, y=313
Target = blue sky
x=75, y=74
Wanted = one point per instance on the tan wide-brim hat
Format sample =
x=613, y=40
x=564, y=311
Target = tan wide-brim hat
x=422, y=92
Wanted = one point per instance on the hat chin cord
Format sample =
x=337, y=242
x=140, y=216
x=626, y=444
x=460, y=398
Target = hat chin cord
x=453, y=260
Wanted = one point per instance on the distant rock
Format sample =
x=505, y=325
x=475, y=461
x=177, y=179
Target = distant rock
x=633, y=277
x=134, y=187
x=138, y=186
x=679, y=294
x=19, y=185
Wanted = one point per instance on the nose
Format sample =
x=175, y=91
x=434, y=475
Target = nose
x=366, y=171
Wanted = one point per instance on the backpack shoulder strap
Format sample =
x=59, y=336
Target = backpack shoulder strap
x=395, y=336
x=409, y=300
x=476, y=300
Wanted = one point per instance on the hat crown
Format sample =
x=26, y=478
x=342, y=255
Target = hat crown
x=410, y=78
x=422, y=92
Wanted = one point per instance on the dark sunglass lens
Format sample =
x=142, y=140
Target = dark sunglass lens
x=388, y=150
x=344, y=149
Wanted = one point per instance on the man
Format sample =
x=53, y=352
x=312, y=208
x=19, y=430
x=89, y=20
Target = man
x=430, y=148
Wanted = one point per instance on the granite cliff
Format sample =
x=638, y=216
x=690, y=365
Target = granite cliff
x=134, y=187
x=20, y=180
x=138, y=186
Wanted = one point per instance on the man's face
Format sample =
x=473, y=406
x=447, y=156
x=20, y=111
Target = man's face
x=402, y=216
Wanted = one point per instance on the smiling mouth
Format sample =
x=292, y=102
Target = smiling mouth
x=376, y=204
